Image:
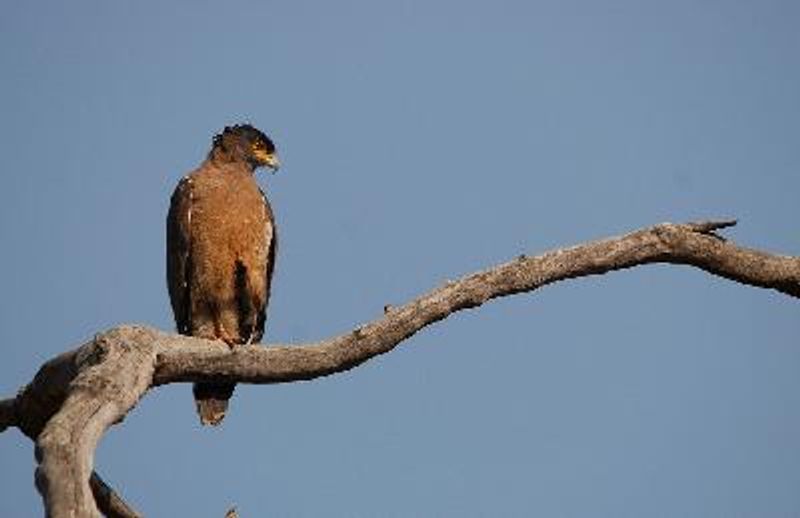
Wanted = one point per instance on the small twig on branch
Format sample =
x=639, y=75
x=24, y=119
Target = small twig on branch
x=75, y=397
x=709, y=228
x=706, y=227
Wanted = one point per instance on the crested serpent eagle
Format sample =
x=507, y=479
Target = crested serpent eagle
x=221, y=244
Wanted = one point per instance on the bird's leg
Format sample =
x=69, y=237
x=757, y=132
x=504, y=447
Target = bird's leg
x=222, y=334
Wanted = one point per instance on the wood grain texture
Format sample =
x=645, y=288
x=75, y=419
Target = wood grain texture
x=76, y=396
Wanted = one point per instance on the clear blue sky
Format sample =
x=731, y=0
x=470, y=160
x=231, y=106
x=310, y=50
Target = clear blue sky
x=423, y=140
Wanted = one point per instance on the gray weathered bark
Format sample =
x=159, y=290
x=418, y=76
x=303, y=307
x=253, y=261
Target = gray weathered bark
x=76, y=396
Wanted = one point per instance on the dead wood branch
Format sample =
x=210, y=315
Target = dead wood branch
x=76, y=396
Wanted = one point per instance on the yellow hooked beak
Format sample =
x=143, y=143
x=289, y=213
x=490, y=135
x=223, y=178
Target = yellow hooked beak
x=268, y=159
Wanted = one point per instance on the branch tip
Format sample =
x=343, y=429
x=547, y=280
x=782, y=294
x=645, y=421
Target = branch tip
x=708, y=227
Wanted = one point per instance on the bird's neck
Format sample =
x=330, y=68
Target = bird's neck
x=224, y=159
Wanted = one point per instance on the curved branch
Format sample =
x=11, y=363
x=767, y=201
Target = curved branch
x=693, y=244
x=108, y=501
x=102, y=380
x=75, y=397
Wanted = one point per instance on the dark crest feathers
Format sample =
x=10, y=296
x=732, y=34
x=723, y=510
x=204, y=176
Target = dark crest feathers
x=245, y=132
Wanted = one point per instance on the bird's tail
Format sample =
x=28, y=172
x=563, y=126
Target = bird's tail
x=212, y=401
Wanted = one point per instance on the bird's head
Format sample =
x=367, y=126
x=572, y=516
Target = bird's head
x=248, y=144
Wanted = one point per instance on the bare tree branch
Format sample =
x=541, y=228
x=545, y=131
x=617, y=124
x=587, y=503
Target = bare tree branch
x=693, y=244
x=111, y=377
x=76, y=396
x=108, y=501
x=40, y=399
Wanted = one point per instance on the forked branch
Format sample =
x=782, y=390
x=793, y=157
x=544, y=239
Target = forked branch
x=76, y=396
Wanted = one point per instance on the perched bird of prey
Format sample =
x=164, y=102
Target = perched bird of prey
x=221, y=244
